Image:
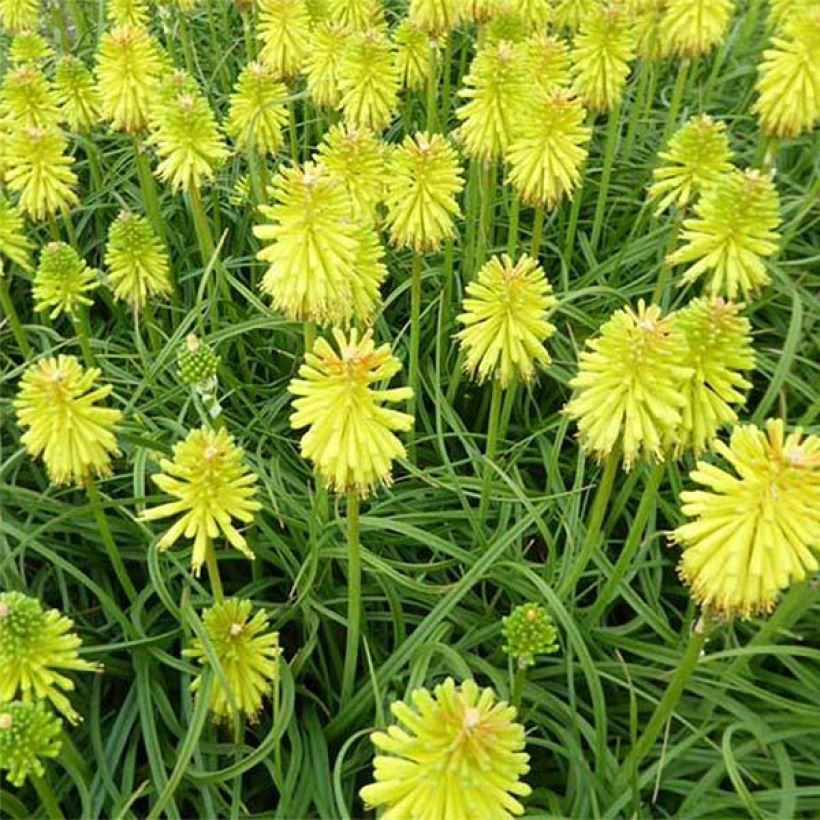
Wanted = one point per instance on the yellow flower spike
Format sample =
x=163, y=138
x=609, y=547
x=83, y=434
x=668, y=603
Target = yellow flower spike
x=284, y=32
x=211, y=487
x=370, y=273
x=549, y=150
x=505, y=318
x=424, y=178
x=781, y=11
x=29, y=732
x=603, y=50
x=37, y=647
x=629, y=387
x=369, y=81
x=62, y=281
x=257, y=110
x=569, y=14
x=648, y=21
x=692, y=28
x=734, y=229
x=697, y=157
x=248, y=653
x=412, y=55
x=436, y=17
x=40, y=170
x=28, y=100
x=77, y=93
x=719, y=351
x=18, y=16
x=29, y=47
x=358, y=159
x=456, y=754
x=535, y=13
x=507, y=26
x=58, y=402
x=137, y=261
x=128, y=69
x=14, y=244
x=188, y=142
x=480, y=11
x=357, y=15
x=327, y=45
x=788, y=87
x=351, y=436
x=126, y=12
x=498, y=90
x=756, y=530
x=549, y=61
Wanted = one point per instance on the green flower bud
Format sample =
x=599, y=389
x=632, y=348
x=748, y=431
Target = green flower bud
x=28, y=732
x=196, y=361
x=529, y=631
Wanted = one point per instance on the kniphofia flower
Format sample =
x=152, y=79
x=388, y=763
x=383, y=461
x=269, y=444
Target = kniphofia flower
x=754, y=529
x=629, y=387
x=29, y=732
x=197, y=363
x=719, y=351
x=458, y=754
x=188, y=141
x=284, y=31
x=211, y=486
x=603, y=50
x=789, y=83
x=436, y=17
x=128, y=68
x=29, y=47
x=412, y=54
x=327, y=45
x=257, y=110
x=63, y=281
x=356, y=157
x=505, y=319
x=528, y=631
x=20, y=15
x=548, y=57
x=77, y=94
x=127, y=12
x=498, y=90
x=369, y=81
x=692, y=28
x=734, y=229
x=37, y=647
x=248, y=653
x=60, y=404
x=27, y=99
x=549, y=150
x=351, y=436
x=136, y=260
x=698, y=157
x=14, y=244
x=424, y=178
x=781, y=11
x=356, y=15
x=570, y=13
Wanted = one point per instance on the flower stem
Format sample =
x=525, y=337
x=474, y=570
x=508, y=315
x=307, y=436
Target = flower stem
x=537, y=231
x=48, y=801
x=471, y=199
x=637, y=109
x=612, y=135
x=519, y=679
x=594, y=524
x=10, y=312
x=668, y=702
x=662, y=283
x=677, y=98
x=487, y=196
x=572, y=228
x=83, y=331
x=111, y=548
x=148, y=187
x=354, y=596
x=309, y=333
x=212, y=564
x=294, y=132
x=512, y=236
x=432, y=89
x=415, y=336
x=490, y=451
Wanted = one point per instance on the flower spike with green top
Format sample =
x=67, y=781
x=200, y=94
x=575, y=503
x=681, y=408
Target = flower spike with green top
x=755, y=530
x=257, y=111
x=14, y=243
x=29, y=732
x=29, y=47
x=629, y=387
x=77, y=93
x=458, y=755
x=63, y=281
x=37, y=646
x=424, y=178
x=356, y=15
x=436, y=17
x=528, y=631
x=58, y=402
x=211, y=486
x=505, y=321
x=327, y=45
x=284, y=32
x=248, y=653
x=18, y=16
x=548, y=56
x=569, y=14
x=28, y=99
x=412, y=54
x=692, y=28
x=697, y=157
x=733, y=230
x=350, y=437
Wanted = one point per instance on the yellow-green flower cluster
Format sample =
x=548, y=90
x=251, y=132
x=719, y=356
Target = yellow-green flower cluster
x=257, y=110
x=248, y=654
x=692, y=28
x=18, y=16
x=412, y=54
x=356, y=15
x=505, y=321
x=59, y=403
x=436, y=17
x=351, y=437
x=211, y=487
x=323, y=61
x=14, y=244
x=424, y=178
x=28, y=100
x=284, y=31
x=77, y=93
x=62, y=281
x=528, y=631
x=458, y=754
x=29, y=47
x=756, y=529
x=549, y=61
x=29, y=732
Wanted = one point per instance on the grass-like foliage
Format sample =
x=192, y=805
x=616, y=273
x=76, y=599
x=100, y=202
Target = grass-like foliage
x=408, y=408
